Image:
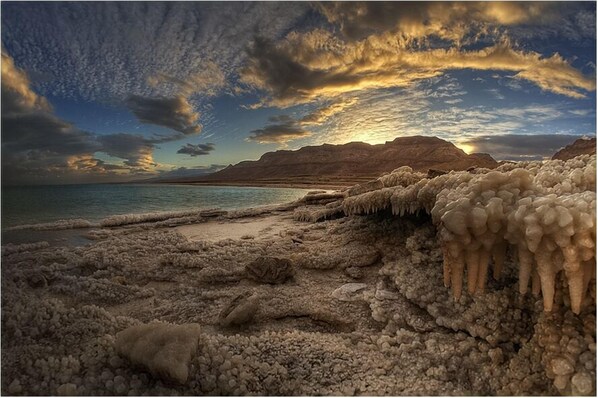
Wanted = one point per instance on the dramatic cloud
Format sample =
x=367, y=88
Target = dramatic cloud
x=135, y=149
x=304, y=67
x=37, y=146
x=520, y=147
x=196, y=150
x=446, y=20
x=175, y=113
x=108, y=50
x=283, y=129
x=17, y=96
x=34, y=141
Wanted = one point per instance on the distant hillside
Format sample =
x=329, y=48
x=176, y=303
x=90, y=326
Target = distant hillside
x=581, y=146
x=348, y=163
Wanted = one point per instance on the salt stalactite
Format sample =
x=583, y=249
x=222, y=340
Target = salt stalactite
x=546, y=210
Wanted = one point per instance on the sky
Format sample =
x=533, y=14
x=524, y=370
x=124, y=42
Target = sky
x=117, y=91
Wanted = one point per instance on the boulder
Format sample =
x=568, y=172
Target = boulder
x=162, y=348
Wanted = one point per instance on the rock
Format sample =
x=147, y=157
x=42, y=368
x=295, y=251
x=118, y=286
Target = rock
x=37, y=280
x=272, y=270
x=365, y=187
x=67, y=390
x=383, y=294
x=581, y=383
x=15, y=388
x=240, y=310
x=436, y=172
x=366, y=257
x=348, y=292
x=354, y=272
x=561, y=366
x=162, y=348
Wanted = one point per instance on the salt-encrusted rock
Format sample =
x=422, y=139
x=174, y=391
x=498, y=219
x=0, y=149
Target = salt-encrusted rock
x=436, y=172
x=164, y=349
x=37, y=280
x=67, y=390
x=349, y=291
x=384, y=294
x=240, y=310
x=15, y=387
x=365, y=187
x=561, y=366
x=354, y=272
x=270, y=270
x=366, y=257
x=582, y=384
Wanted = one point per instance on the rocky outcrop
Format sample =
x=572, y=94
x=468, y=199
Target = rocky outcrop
x=582, y=146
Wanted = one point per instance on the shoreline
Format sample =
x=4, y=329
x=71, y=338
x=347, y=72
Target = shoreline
x=327, y=183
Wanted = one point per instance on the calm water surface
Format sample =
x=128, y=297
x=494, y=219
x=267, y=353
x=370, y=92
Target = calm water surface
x=41, y=204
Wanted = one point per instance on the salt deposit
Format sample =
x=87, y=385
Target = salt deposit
x=143, y=310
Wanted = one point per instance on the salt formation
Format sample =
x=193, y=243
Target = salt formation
x=271, y=270
x=545, y=210
x=164, y=349
x=65, y=308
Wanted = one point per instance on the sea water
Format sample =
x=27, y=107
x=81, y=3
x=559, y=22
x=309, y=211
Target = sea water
x=93, y=202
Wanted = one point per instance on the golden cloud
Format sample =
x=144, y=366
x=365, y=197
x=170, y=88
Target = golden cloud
x=305, y=67
x=320, y=115
x=447, y=20
x=17, y=95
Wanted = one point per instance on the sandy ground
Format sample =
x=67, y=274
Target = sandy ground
x=213, y=231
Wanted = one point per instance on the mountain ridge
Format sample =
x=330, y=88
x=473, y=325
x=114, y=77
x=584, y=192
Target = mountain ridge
x=581, y=146
x=353, y=159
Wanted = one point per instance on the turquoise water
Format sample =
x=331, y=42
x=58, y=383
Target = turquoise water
x=41, y=204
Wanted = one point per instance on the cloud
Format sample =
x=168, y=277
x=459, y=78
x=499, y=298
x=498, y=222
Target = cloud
x=17, y=96
x=196, y=150
x=320, y=115
x=175, y=113
x=136, y=150
x=135, y=41
x=39, y=147
x=34, y=141
x=315, y=65
x=208, y=81
x=281, y=130
x=447, y=20
x=520, y=147
x=190, y=171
